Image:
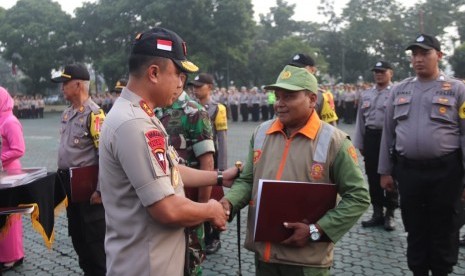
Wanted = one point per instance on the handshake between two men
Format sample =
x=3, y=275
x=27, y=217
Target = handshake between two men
x=185, y=212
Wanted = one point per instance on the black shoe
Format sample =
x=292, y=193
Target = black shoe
x=11, y=265
x=374, y=221
x=462, y=241
x=213, y=247
x=389, y=223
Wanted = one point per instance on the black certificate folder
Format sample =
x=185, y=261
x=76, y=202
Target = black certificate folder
x=289, y=201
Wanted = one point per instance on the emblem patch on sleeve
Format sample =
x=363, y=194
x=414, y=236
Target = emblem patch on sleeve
x=462, y=111
x=156, y=142
x=353, y=154
x=256, y=155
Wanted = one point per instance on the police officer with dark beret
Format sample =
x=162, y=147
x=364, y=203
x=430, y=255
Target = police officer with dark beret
x=424, y=129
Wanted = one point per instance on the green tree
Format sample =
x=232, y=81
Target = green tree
x=461, y=27
x=105, y=31
x=278, y=23
x=232, y=39
x=457, y=60
x=32, y=35
x=278, y=38
x=218, y=34
x=275, y=56
x=375, y=30
x=215, y=32
x=432, y=16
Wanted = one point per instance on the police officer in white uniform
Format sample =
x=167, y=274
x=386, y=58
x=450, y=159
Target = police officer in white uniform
x=425, y=127
x=368, y=129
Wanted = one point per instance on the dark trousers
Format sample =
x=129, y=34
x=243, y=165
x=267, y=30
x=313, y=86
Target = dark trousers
x=86, y=226
x=234, y=112
x=430, y=204
x=211, y=234
x=371, y=145
x=271, y=110
x=349, y=112
x=244, y=112
x=264, y=109
x=255, y=112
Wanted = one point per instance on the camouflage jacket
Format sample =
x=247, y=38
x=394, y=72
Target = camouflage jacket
x=189, y=129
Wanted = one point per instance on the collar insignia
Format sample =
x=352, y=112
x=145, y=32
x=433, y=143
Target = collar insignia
x=146, y=108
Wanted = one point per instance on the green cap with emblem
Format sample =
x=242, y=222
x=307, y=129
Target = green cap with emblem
x=295, y=79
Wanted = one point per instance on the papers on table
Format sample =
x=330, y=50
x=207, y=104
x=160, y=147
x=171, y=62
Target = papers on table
x=16, y=210
x=18, y=177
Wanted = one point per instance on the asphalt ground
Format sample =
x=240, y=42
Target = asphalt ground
x=361, y=251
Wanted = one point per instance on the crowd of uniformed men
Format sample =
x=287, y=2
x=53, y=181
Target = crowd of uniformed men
x=256, y=104
x=140, y=185
x=28, y=107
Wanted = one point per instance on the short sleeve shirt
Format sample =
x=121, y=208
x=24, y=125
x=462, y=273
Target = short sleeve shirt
x=76, y=147
x=138, y=169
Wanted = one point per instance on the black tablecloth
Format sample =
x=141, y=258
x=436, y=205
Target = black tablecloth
x=46, y=194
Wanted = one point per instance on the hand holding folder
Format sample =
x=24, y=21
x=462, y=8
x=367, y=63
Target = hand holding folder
x=83, y=181
x=287, y=201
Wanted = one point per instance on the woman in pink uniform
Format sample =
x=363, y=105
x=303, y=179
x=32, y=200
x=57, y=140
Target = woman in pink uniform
x=13, y=148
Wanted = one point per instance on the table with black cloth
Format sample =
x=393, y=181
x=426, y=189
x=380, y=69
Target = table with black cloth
x=48, y=197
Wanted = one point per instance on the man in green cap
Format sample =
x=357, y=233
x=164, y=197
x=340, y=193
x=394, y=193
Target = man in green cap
x=297, y=146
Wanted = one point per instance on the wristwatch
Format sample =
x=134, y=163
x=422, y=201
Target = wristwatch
x=314, y=233
x=219, y=178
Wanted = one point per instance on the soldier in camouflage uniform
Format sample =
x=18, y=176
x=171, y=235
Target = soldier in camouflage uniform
x=190, y=132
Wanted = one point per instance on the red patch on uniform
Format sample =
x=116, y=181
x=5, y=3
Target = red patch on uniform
x=256, y=155
x=146, y=108
x=97, y=124
x=353, y=154
x=156, y=142
x=317, y=171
